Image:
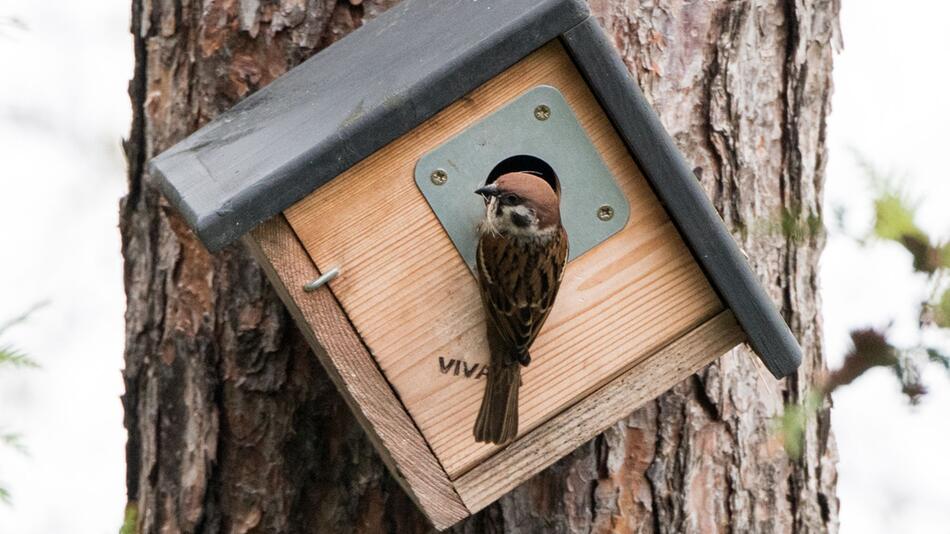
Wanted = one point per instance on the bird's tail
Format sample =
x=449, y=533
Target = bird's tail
x=497, y=420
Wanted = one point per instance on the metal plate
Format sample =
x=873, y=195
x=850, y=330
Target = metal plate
x=587, y=186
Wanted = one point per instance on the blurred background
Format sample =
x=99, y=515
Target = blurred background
x=64, y=109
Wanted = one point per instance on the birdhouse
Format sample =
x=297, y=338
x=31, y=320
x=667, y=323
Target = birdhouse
x=351, y=180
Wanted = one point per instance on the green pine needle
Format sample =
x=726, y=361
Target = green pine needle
x=22, y=317
x=13, y=357
x=14, y=441
x=10, y=356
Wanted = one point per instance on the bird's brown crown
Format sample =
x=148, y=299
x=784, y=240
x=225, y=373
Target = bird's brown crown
x=534, y=193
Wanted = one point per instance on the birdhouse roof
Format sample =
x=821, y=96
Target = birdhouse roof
x=317, y=120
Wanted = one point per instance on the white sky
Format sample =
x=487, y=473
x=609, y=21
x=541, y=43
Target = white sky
x=890, y=104
x=63, y=109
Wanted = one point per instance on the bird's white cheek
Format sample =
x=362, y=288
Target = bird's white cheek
x=524, y=212
x=512, y=221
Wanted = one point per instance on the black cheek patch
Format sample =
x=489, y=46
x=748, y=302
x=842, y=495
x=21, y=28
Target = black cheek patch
x=521, y=221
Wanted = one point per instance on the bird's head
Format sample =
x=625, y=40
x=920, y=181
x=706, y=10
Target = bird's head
x=521, y=204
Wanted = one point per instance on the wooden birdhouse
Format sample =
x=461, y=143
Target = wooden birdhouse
x=351, y=179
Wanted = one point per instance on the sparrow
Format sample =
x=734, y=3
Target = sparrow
x=522, y=250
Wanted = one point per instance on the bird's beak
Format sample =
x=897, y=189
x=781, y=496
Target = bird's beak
x=490, y=190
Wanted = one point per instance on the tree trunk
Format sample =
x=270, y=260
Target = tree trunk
x=234, y=426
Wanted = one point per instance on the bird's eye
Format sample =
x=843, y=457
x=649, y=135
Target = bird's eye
x=510, y=199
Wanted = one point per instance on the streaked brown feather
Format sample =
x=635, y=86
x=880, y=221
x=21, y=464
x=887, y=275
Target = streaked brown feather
x=510, y=273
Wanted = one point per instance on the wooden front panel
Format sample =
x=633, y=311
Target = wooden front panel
x=416, y=304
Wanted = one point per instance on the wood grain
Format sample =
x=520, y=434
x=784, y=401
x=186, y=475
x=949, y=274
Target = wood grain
x=569, y=429
x=352, y=369
x=411, y=298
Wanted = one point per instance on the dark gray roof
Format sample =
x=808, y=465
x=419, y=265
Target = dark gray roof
x=346, y=102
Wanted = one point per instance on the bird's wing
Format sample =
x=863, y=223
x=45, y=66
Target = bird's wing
x=519, y=282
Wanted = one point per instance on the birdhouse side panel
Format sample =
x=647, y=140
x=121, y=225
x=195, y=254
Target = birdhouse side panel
x=351, y=368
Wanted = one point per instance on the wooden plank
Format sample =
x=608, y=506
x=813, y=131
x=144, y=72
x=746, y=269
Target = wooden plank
x=416, y=305
x=571, y=428
x=673, y=180
x=342, y=353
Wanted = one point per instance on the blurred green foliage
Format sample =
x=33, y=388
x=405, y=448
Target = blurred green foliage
x=792, y=423
x=942, y=310
x=894, y=221
x=130, y=520
x=894, y=218
x=796, y=225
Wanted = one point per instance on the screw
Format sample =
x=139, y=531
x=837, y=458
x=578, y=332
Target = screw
x=542, y=113
x=439, y=177
x=605, y=213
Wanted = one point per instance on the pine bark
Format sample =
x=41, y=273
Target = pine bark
x=233, y=425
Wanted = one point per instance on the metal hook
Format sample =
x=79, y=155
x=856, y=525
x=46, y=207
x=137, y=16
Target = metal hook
x=322, y=280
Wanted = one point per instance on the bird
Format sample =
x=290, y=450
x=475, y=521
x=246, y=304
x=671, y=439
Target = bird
x=520, y=260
